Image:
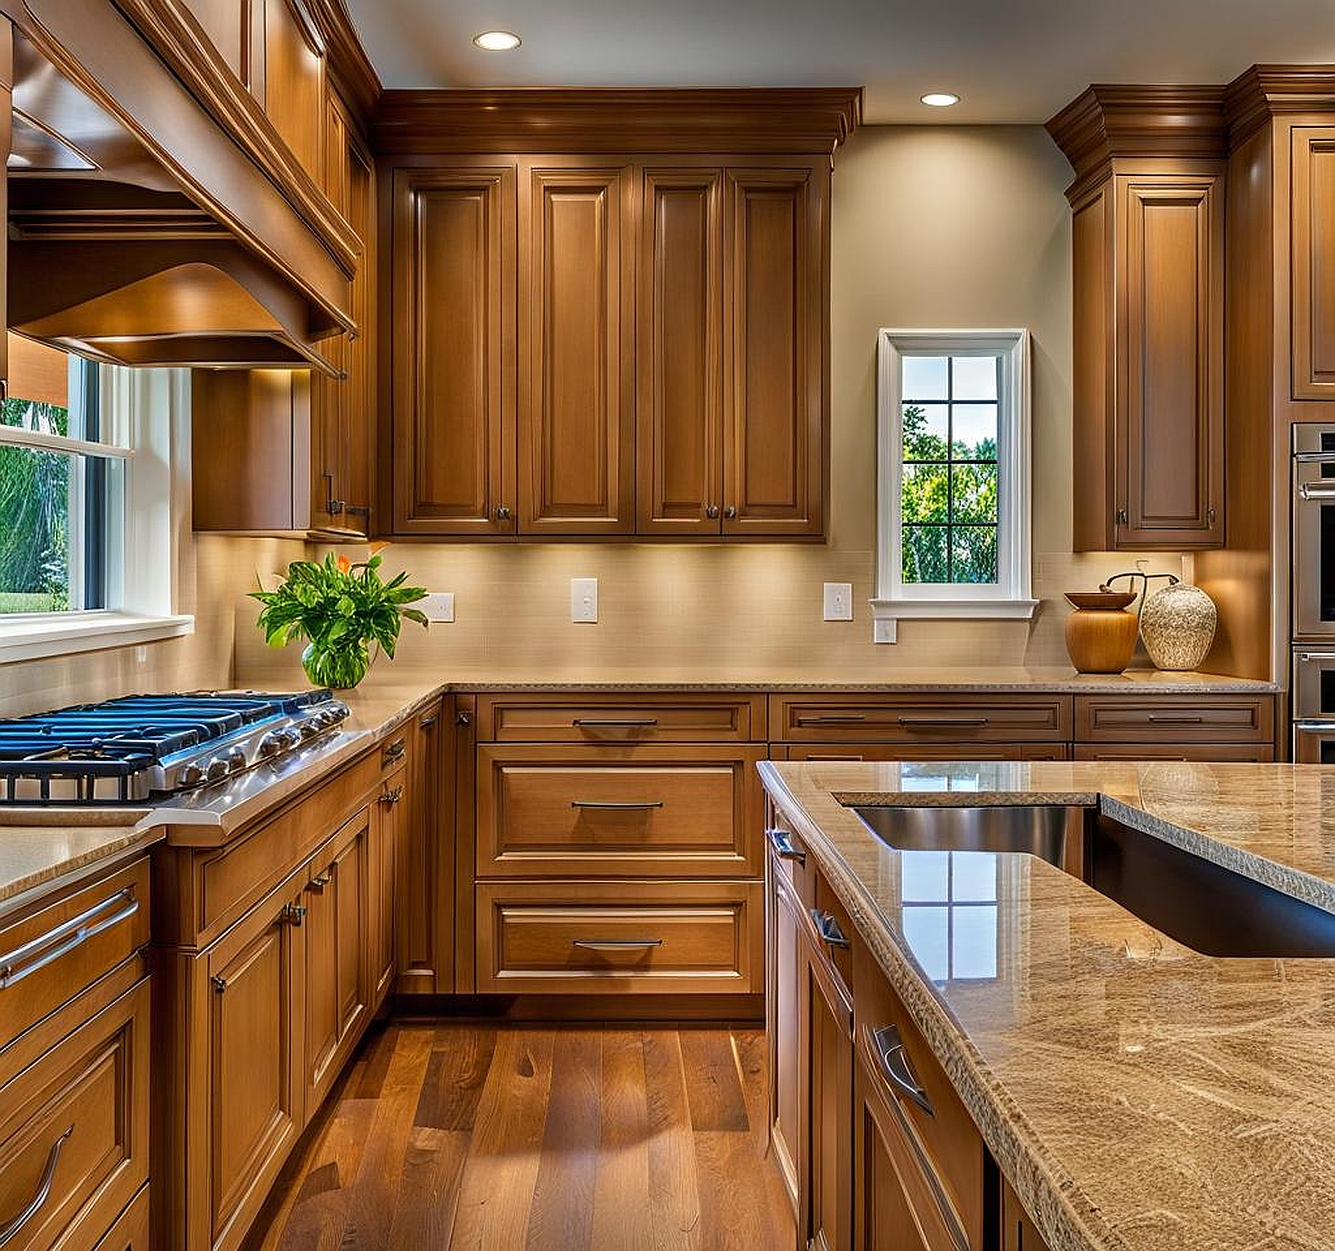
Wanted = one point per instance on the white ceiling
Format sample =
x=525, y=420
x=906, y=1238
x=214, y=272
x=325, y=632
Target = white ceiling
x=1010, y=60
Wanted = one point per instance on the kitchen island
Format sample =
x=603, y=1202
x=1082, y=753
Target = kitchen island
x=1138, y=1096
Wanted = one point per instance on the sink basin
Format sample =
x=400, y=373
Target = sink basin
x=1051, y=832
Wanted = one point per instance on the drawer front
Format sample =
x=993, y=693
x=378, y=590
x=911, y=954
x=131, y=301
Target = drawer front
x=1172, y=719
x=621, y=718
x=620, y=812
x=1261, y=753
x=53, y=954
x=614, y=938
x=945, y=718
x=788, y=854
x=836, y=752
x=74, y=1137
x=131, y=1232
x=831, y=935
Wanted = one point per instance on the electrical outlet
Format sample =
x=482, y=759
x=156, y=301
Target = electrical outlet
x=838, y=601
x=584, y=600
x=438, y=606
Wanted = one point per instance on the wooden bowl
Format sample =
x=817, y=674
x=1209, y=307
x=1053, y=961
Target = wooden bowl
x=1108, y=601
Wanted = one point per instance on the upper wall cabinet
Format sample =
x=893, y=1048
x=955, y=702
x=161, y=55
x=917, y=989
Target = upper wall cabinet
x=1313, y=290
x=621, y=334
x=1148, y=274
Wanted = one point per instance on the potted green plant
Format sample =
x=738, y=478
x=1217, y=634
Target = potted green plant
x=342, y=609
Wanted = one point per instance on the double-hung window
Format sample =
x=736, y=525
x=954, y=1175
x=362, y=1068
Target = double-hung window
x=953, y=433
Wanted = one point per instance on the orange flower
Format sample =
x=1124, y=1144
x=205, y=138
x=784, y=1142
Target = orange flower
x=344, y=564
x=377, y=548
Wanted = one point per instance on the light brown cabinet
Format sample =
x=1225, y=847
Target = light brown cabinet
x=1018, y=1231
x=1313, y=252
x=388, y=832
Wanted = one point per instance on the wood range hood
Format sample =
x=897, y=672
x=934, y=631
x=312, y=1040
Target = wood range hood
x=139, y=233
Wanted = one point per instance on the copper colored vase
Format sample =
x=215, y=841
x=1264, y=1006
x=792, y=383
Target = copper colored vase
x=1101, y=634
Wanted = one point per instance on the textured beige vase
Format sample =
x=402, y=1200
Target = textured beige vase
x=1178, y=625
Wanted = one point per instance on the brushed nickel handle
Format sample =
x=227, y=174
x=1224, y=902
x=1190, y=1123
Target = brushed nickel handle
x=1160, y=719
x=611, y=806
x=35, y=955
x=711, y=511
x=828, y=928
x=1315, y=458
x=599, y=723
x=463, y=718
x=782, y=843
x=219, y=984
x=428, y=723
x=12, y=1228
x=730, y=512
x=317, y=884
x=335, y=507
x=395, y=751
x=1123, y=518
x=293, y=915
x=1210, y=516
x=889, y=1048
x=1316, y=491
x=503, y=513
x=842, y=719
x=616, y=944
x=927, y=723
x=1308, y=657
x=392, y=797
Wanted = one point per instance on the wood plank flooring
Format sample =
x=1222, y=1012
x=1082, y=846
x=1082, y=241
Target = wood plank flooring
x=472, y=1138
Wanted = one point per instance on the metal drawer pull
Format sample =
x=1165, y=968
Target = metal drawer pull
x=392, y=797
x=11, y=1229
x=317, y=884
x=609, y=806
x=395, y=751
x=782, y=842
x=594, y=723
x=910, y=722
x=1311, y=491
x=1156, y=719
x=219, y=984
x=828, y=928
x=616, y=944
x=843, y=719
x=37, y=954
x=895, y=1065
x=294, y=914
x=428, y=723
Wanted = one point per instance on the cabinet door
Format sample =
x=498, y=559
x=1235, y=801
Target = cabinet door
x=1018, y=1232
x=829, y=1106
x=337, y=914
x=235, y=34
x=424, y=871
x=388, y=830
x=776, y=293
x=294, y=81
x=679, y=433
x=454, y=350
x=576, y=335
x=1169, y=446
x=786, y=982
x=1313, y=223
x=249, y=1024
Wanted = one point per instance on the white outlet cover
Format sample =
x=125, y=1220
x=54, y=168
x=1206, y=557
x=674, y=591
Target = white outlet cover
x=584, y=600
x=838, y=601
x=438, y=606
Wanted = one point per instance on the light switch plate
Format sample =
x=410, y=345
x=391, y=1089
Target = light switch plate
x=438, y=606
x=584, y=600
x=838, y=601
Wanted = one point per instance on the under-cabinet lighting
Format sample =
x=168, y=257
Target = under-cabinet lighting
x=497, y=41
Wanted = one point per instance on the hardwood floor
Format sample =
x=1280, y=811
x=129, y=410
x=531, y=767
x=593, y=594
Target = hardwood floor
x=475, y=1138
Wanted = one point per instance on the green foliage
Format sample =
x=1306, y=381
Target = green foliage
x=341, y=609
x=34, y=511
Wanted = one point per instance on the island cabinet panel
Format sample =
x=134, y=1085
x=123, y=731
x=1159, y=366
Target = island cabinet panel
x=1313, y=253
x=1018, y=1231
x=928, y=718
x=679, y=410
x=454, y=379
x=786, y=988
x=577, y=348
x=388, y=834
x=775, y=293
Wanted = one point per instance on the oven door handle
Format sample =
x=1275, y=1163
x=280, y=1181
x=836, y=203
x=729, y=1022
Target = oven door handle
x=1314, y=458
x=1308, y=658
x=1317, y=490
x=1315, y=727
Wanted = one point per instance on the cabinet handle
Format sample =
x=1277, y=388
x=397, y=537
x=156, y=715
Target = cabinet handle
x=392, y=797
x=1122, y=517
x=597, y=723
x=730, y=512
x=394, y=751
x=464, y=718
x=845, y=719
x=1161, y=719
x=610, y=806
x=889, y=1048
x=294, y=915
x=335, y=507
x=12, y=1228
x=828, y=928
x=429, y=723
x=782, y=842
x=317, y=884
x=219, y=984
x=711, y=511
x=1210, y=516
x=927, y=723
x=503, y=513
x=24, y=961
x=1315, y=491
x=616, y=944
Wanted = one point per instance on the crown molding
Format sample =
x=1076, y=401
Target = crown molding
x=805, y=120
x=1265, y=91
x=348, y=63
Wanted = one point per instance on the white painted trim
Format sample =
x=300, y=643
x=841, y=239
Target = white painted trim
x=20, y=436
x=31, y=636
x=1010, y=597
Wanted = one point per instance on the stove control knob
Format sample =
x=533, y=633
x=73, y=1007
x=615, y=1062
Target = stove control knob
x=217, y=769
x=339, y=709
x=269, y=745
x=308, y=730
x=236, y=760
x=289, y=738
x=191, y=775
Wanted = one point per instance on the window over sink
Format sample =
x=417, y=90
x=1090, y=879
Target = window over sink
x=953, y=528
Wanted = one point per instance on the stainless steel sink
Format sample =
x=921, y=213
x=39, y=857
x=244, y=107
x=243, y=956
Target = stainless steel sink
x=1049, y=831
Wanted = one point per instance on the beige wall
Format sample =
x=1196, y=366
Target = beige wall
x=933, y=226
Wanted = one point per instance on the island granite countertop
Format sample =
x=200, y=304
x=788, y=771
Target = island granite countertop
x=1138, y=1096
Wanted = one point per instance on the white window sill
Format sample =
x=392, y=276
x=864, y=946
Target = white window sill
x=32, y=637
x=886, y=613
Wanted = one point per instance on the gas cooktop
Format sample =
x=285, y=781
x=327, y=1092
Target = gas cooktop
x=128, y=750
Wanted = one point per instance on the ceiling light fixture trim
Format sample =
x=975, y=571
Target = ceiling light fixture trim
x=497, y=41
x=940, y=99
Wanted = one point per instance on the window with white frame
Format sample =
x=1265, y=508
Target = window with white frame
x=86, y=542
x=953, y=435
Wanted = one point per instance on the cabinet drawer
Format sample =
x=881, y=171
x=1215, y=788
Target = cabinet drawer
x=614, y=938
x=1262, y=753
x=837, y=752
x=945, y=718
x=74, y=1134
x=621, y=812
x=621, y=718
x=130, y=1233
x=946, y=1139
x=52, y=955
x=788, y=854
x=1170, y=719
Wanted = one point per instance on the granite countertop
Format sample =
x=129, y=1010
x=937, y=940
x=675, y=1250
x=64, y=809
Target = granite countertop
x=1139, y=1096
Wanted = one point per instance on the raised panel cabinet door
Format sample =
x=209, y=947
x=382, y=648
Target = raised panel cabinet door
x=389, y=829
x=786, y=977
x=576, y=342
x=235, y=28
x=1170, y=453
x=249, y=997
x=424, y=870
x=294, y=82
x=454, y=351
x=776, y=295
x=679, y=361
x=1313, y=283
x=829, y=1049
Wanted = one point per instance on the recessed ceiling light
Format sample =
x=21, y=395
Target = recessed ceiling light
x=940, y=99
x=497, y=41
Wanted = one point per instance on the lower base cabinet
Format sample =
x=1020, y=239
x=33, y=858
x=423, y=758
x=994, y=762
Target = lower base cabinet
x=131, y=1231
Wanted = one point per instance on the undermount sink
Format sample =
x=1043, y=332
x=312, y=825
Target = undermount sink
x=1194, y=901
